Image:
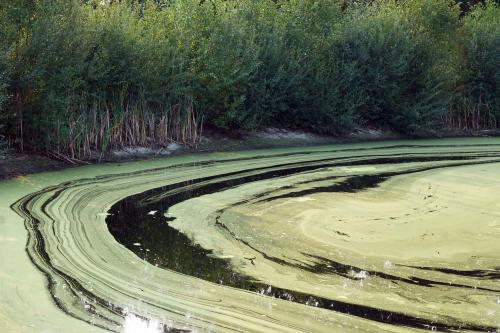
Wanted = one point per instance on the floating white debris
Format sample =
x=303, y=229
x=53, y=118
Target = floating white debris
x=360, y=274
x=137, y=244
x=153, y=212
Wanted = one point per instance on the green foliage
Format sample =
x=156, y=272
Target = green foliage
x=222, y=58
x=88, y=60
x=3, y=92
x=295, y=81
x=390, y=55
x=85, y=74
x=3, y=100
x=479, y=89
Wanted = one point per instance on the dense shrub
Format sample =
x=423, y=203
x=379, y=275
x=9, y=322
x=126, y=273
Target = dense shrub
x=391, y=55
x=477, y=103
x=223, y=55
x=296, y=80
x=3, y=76
x=3, y=94
x=77, y=76
x=104, y=76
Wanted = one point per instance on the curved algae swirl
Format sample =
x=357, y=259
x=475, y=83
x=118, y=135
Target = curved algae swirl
x=387, y=239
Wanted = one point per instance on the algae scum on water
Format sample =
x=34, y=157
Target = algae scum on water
x=388, y=237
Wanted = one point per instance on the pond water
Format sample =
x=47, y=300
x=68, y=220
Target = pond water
x=400, y=236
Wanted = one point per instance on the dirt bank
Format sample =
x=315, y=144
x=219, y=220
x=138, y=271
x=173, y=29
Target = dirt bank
x=16, y=164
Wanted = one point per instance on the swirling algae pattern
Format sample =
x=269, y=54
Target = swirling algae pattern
x=382, y=238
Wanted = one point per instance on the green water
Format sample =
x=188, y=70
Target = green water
x=396, y=236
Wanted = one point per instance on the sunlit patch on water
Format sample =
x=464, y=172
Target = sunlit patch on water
x=134, y=324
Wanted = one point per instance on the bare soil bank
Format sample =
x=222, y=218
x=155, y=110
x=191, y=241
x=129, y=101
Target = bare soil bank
x=17, y=164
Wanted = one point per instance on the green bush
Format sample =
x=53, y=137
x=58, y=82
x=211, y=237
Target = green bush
x=295, y=82
x=87, y=75
x=478, y=99
x=391, y=55
x=3, y=96
x=222, y=59
x=94, y=65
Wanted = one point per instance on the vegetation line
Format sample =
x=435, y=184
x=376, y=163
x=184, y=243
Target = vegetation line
x=78, y=76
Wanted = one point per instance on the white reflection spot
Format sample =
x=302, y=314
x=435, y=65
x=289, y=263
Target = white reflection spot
x=134, y=324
